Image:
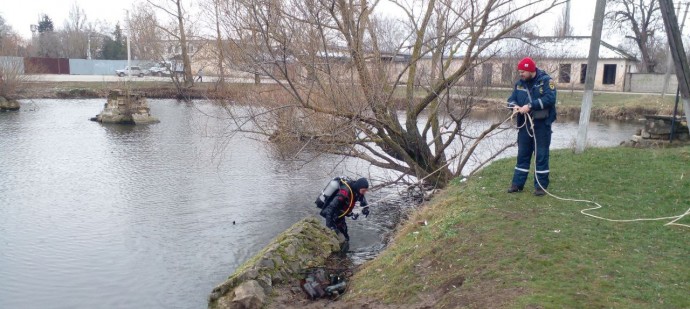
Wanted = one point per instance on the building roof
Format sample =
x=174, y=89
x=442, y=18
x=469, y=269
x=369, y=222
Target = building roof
x=573, y=47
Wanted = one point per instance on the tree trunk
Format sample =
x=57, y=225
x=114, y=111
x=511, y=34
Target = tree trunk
x=188, y=79
x=219, y=42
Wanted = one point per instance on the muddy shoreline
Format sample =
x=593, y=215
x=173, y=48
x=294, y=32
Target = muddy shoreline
x=50, y=90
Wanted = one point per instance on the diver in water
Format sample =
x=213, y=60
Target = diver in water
x=339, y=199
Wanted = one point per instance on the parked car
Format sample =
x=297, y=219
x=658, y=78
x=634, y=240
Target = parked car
x=133, y=70
x=159, y=69
x=165, y=68
x=174, y=66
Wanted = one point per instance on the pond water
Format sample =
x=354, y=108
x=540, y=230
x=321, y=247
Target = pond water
x=109, y=216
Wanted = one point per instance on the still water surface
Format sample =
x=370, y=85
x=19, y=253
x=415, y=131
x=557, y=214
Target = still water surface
x=108, y=216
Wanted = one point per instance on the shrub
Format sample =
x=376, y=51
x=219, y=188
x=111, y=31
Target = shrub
x=12, y=76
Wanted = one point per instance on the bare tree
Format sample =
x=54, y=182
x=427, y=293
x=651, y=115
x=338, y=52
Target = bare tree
x=640, y=21
x=341, y=86
x=12, y=77
x=146, y=34
x=390, y=36
x=75, y=34
x=212, y=19
x=562, y=27
x=10, y=41
x=48, y=41
x=219, y=40
x=177, y=12
x=96, y=32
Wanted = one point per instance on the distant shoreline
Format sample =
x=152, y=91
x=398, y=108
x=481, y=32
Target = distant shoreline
x=157, y=89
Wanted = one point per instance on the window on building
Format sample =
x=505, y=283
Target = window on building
x=583, y=73
x=564, y=73
x=507, y=73
x=609, y=74
x=487, y=71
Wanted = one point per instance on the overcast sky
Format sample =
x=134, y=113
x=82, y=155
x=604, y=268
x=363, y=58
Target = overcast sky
x=20, y=14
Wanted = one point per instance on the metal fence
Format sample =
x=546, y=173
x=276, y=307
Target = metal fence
x=14, y=64
x=40, y=65
x=102, y=67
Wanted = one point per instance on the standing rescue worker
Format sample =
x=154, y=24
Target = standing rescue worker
x=343, y=203
x=533, y=94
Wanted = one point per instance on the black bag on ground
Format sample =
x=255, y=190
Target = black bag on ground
x=318, y=283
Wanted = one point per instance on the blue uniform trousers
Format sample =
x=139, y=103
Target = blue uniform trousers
x=525, y=150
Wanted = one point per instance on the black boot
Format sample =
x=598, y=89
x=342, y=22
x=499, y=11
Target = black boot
x=539, y=192
x=514, y=189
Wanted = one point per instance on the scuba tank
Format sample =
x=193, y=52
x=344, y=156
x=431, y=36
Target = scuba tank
x=329, y=191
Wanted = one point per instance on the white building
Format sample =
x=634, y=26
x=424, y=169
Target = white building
x=564, y=58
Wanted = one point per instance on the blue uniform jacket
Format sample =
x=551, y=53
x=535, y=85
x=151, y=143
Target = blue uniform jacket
x=539, y=93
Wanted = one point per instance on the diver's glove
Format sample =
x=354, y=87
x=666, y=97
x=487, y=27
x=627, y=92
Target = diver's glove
x=365, y=211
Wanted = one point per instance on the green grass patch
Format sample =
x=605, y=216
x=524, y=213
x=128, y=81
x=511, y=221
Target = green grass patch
x=486, y=248
x=605, y=105
x=604, y=100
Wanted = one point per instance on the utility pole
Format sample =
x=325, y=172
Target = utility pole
x=129, y=55
x=88, y=46
x=679, y=57
x=221, y=72
x=669, y=57
x=566, y=19
x=594, y=44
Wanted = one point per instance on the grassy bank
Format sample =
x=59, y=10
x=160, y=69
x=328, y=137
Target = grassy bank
x=605, y=105
x=620, y=105
x=568, y=98
x=484, y=248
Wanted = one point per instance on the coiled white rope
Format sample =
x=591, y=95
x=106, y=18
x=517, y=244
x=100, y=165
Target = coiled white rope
x=673, y=219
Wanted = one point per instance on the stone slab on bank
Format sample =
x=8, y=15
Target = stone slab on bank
x=8, y=105
x=660, y=132
x=306, y=244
